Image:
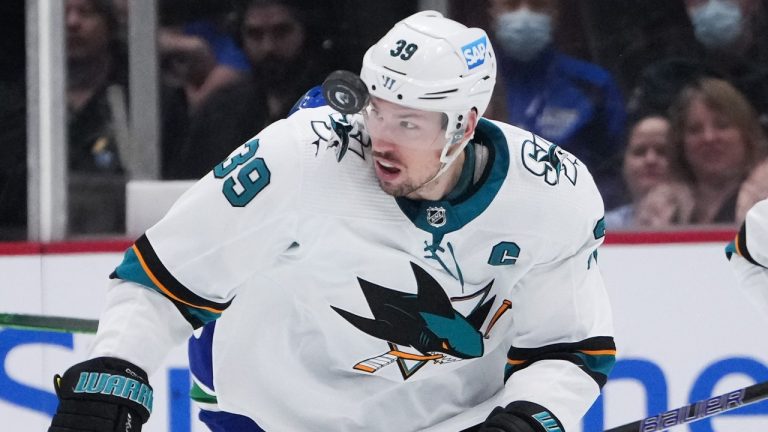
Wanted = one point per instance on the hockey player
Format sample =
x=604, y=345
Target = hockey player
x=748, y=254
x=410, y=267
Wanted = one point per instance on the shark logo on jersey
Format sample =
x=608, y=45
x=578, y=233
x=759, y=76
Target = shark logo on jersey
x=548, y=160
x=425, y=321
x=342, y=132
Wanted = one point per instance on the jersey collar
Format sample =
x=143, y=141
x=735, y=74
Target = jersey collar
x=453, y=212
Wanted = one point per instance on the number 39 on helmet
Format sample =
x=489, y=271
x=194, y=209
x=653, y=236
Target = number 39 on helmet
x=432, y=63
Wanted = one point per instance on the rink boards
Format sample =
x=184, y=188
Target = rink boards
x=684, y=332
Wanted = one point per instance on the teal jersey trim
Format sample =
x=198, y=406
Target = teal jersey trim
x=598, y=367
x=599, y=230
x=600, y=363
x=739, y=247
x=467, y=173
x=463, y=209
x=596, y=356
x=130, y=269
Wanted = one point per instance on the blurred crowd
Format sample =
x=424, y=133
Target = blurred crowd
x=665, y=101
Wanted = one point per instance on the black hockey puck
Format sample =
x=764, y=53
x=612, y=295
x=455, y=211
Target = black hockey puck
x=345, y=92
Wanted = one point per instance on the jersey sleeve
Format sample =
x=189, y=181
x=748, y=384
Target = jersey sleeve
x=233, y=222
x=751, y=242
x=748, y=255
x=138, y=325
x=562, y=349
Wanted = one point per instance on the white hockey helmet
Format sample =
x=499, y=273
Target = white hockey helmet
x=429, y=62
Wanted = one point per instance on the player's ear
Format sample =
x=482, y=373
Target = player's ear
x=472, y=120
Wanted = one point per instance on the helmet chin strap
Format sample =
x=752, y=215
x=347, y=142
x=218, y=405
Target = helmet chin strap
x=447, y=159
x=459, y=137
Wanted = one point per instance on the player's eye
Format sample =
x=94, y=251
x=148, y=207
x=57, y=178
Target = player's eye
x=408, y=125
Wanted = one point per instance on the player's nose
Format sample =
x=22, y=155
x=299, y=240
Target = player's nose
x=382, y=144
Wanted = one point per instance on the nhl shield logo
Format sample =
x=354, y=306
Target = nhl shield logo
x=436, y=216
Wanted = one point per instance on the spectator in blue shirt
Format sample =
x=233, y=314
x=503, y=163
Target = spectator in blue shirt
x=199, y=52
x=286, y=58
x=570, y=102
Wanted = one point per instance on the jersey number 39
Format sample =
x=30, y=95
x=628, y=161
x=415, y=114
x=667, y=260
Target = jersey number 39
x=242, y=187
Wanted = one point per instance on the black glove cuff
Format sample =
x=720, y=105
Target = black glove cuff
x=536, y=416
x=107, y=379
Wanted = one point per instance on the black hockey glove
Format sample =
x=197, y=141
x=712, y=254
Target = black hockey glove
x=521, y=416
x=104, y=394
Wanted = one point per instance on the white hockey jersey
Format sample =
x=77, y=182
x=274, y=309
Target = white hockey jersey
x=350, y=310
x=748, y=254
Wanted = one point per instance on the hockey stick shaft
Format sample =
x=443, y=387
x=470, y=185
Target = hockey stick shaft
x=48, y=322
x=698, y=410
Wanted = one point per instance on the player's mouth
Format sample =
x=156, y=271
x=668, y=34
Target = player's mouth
x=386, y=170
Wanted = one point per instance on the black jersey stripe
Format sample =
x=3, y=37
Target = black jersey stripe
x=186, y=312
x=741, y=245
x=169, y=284
x=595, y=356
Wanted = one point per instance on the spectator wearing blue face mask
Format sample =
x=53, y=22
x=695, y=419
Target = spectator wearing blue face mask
x=734, y=34
x=573, y=103
x=718, y=24
x=733, y=37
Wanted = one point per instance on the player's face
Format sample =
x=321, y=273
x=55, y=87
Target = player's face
x=714, y=146
x=406, y=145
x=646, y=161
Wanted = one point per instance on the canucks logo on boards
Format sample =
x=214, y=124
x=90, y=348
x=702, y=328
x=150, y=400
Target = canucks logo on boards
x=425, y=321
x=341, y=132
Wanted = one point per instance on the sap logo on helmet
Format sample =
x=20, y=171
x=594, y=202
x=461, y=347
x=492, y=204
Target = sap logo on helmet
x=474, y=52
